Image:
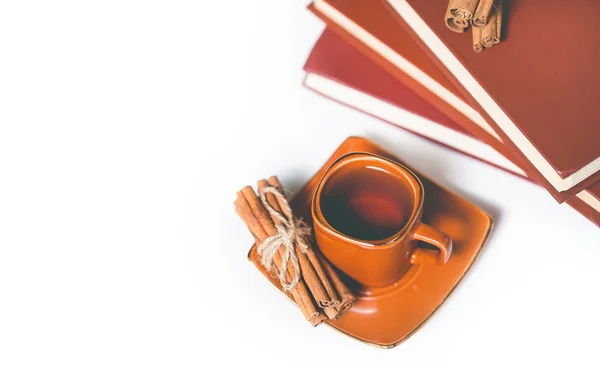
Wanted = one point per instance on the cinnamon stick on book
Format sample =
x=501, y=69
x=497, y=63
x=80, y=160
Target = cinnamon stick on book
x=459, y=14
x=490, y=34
x=482, y=13
x=477, y=45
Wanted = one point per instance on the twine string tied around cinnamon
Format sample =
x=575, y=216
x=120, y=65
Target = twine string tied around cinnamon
x=291, y=233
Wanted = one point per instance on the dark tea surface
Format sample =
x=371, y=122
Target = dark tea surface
x=366, y=202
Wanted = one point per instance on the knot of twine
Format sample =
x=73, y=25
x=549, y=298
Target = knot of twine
x=292, y=233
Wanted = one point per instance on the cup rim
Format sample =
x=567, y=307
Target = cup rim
x=387, y=242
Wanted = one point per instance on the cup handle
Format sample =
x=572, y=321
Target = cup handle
x=436, y=238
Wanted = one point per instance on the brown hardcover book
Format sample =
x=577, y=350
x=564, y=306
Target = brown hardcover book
x=340, y=72
x=373, y=28
x=537, y=88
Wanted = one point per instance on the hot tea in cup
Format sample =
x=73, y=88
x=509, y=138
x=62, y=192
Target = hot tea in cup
x=366, y=203
x=367, y=220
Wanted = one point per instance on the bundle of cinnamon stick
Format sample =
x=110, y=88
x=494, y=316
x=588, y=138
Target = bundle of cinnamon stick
x=286, y=247
x=484, y=15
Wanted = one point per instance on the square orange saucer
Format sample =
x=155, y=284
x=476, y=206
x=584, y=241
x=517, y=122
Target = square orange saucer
x=388, y=316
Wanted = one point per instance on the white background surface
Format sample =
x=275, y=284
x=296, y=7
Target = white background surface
x=126, y=128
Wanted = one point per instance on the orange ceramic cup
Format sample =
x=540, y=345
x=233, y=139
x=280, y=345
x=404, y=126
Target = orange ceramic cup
x=367, y=220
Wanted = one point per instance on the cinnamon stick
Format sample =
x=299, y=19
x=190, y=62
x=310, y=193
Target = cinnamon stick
x=320, y=293
x=309, y=274
x=331, y=313
x=333, y=299
x=259, y=210
x=307, y=307
x=318, y=320
x=463, y=9
x=482, y=13
x=242, y=208
x=314, y=274
x=342, y=294
x=346, y=296
x=477, y=45
x=490, y=35
x=313, y=282
x=253, y=214
x=454, y=24
x=459, y=13
x=263, y=217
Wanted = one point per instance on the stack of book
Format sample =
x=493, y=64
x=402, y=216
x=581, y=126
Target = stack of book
x=527, y=105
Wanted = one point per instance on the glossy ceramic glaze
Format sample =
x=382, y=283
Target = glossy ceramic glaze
x=387, y=316
x=376, y=262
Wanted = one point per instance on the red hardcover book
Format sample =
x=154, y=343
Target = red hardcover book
x=338, y=71
x=372, y=27
x=537, y=93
